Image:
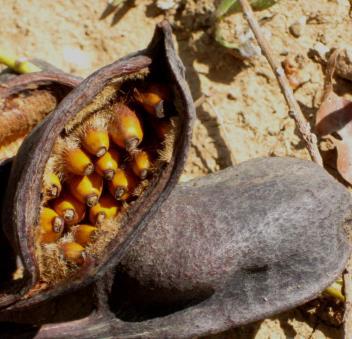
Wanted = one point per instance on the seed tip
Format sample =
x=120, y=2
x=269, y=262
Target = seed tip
x=101, y=152
x=89, y=169
x=109, y=174
x=92, y=200
x=131, y=144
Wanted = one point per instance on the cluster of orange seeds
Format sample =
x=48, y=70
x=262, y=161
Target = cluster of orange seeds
x=102, y=169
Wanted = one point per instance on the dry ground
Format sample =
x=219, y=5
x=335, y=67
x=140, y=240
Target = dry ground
x=244, y=115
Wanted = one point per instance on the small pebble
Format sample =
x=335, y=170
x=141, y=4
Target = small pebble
x=297, y=28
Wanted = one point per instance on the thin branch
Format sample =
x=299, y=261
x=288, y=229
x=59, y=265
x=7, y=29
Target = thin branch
x=294, y=109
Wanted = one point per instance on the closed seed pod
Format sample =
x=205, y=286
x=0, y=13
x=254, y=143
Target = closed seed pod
x=69, y=208
x=107, y=165
x=86, y=189
x=51, y=225
x=83, y=234
x=106, y=208
x=98, y=95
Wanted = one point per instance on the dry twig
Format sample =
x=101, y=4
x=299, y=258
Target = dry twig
x=295, y=111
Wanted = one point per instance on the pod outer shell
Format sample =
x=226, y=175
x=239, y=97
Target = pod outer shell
x=23, y=193
x=12, y=84
x=225, y=250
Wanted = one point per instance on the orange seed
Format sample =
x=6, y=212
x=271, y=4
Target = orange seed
x=106, y=208
x=51, y=225
x=96, y=142
x=78, y=162
x=107, y=165
x=87, y=189
x=125, y=129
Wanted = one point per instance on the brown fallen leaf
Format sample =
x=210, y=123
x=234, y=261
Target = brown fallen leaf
x=334, y=119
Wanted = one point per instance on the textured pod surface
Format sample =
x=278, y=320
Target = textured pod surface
x=26, y=99
x=24, y=193
x=222, y=251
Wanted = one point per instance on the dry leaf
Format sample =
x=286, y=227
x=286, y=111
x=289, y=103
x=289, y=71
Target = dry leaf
x=334, y=118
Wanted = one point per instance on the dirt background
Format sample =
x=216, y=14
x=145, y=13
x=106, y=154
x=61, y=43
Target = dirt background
x=242, y=114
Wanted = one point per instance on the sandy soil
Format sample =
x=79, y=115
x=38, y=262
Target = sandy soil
x=243, y=115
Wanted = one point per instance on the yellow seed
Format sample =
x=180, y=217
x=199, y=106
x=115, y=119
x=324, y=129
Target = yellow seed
x=141, y=164
x=73, y=252
x=107, y=165
x=51, y=225
x=87, y=189
x=96, y=142
x=78, y=162
x=83, y=234
x=106, y=208
x=125, y=128
x=53, y=186
x=152, y=99
x=122, y=184
x=69, y=208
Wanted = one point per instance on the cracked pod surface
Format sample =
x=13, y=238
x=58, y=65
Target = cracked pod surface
x=105, y=103
x=253, y=241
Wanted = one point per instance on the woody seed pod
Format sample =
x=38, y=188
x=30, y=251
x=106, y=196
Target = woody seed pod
x=100, y=94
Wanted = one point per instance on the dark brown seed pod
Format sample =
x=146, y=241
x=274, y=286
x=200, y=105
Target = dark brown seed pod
x=270, y=237
x=95, y=96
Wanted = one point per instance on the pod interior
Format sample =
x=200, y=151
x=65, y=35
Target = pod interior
x=109, y=156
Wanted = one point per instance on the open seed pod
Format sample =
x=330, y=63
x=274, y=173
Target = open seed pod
x=27, y=99
x=253, y=241
x=64, y=244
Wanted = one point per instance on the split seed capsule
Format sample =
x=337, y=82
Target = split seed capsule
x=87, y=189
x=96, y=142
x=78, y=162
x=107, y=165
x=106, y=208
x=69, y=208
x=125, y=129
x=51, y=226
